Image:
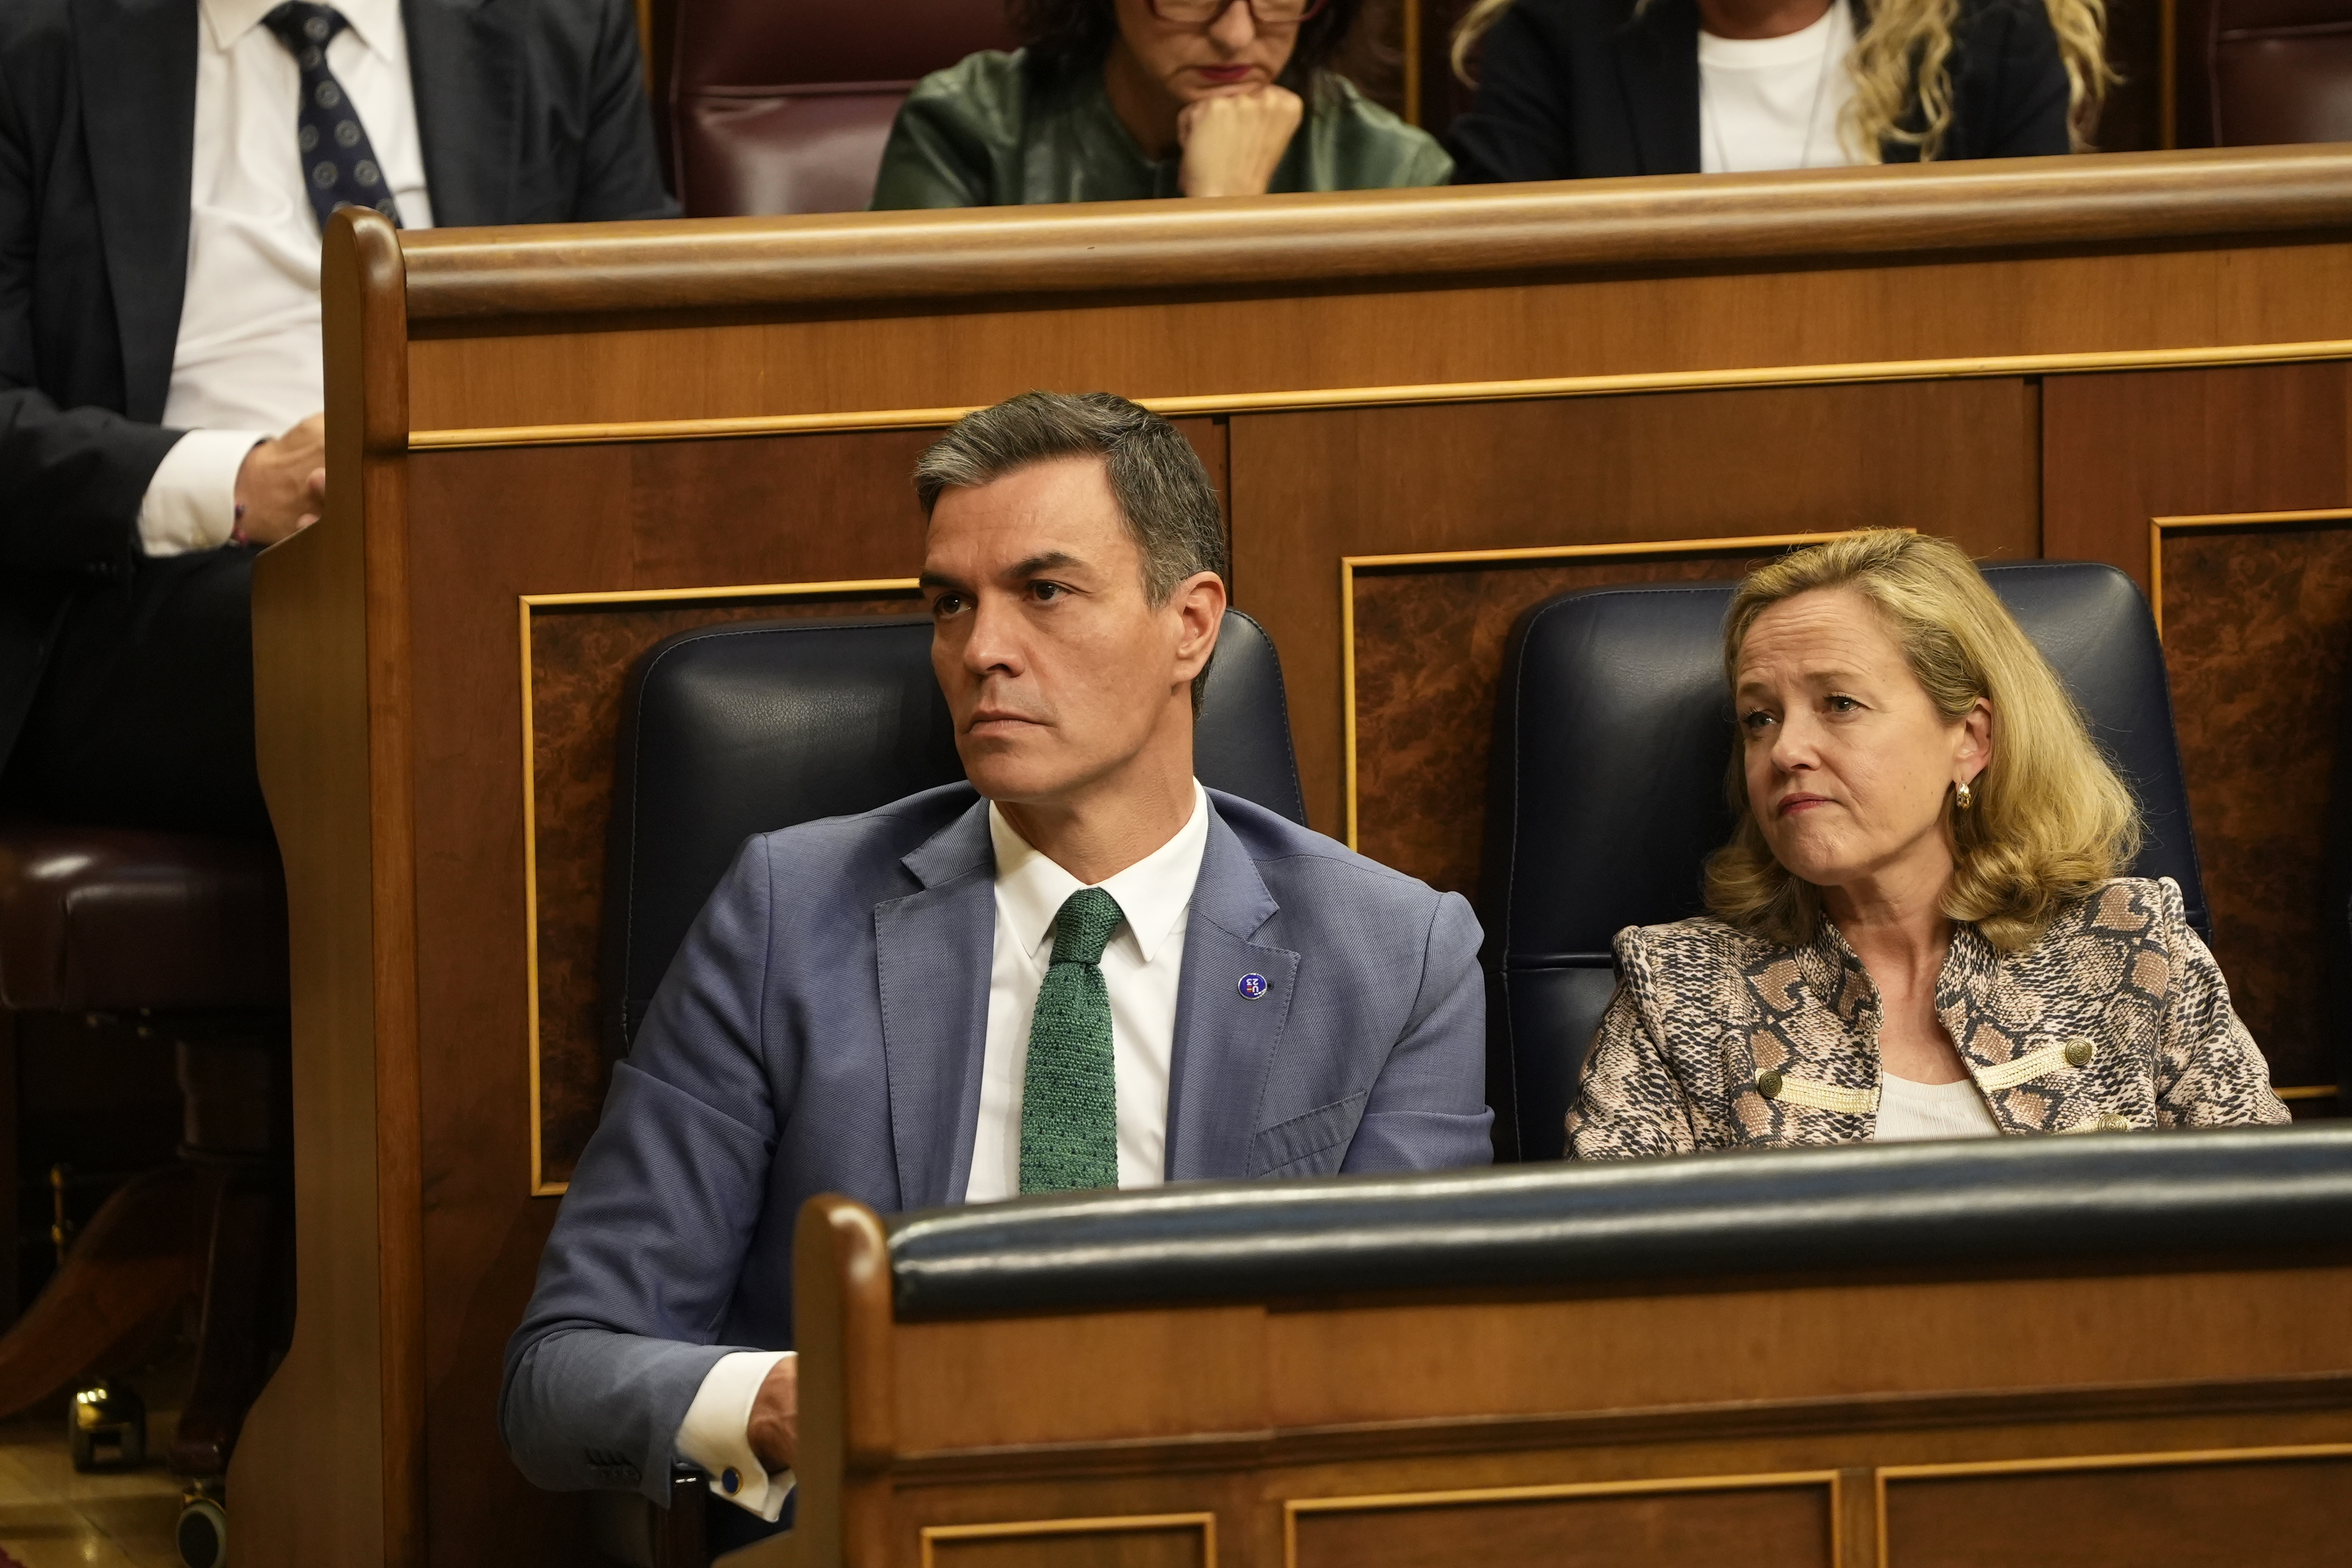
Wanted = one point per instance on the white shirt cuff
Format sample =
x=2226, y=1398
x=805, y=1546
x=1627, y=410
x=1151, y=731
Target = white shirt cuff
x=715, y=1435
x=191, y=501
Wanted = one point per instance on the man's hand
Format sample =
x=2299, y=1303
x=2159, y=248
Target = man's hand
x=775, y=1429
x=281, y=486
x=1233, y=143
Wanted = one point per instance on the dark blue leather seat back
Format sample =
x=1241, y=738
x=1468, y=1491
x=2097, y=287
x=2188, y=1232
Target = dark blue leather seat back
x=1612, y=735
x=747, y=727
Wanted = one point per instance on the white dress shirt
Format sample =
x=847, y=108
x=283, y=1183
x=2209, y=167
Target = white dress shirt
x=1142, y=965
x=247, y=363
x=1775, y=103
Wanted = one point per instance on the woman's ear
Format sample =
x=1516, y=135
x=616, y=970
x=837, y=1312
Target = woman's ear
x=1973, y=753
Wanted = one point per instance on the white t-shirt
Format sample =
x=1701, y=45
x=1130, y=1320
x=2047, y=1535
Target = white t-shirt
x=1908, y=1110
x=1775, y=103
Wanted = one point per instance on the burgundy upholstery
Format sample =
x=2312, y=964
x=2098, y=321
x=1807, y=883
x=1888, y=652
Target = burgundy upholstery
x=105, y=918
x=782, y=106
x=2259, y=72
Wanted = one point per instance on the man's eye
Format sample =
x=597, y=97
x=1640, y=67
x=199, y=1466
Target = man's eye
x=1046, y=590
x=947, y=604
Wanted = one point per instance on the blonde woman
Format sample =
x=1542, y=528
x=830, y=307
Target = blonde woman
x=1917, y=930
x=1574, y=88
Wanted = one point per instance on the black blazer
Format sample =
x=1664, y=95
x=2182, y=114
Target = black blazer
x=530, y=112
x=1576, y=89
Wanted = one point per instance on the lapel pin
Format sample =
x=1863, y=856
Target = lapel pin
x=1253, y=987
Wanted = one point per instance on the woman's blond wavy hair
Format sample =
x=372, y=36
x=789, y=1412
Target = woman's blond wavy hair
x=1901, y=66
x=2050, y=820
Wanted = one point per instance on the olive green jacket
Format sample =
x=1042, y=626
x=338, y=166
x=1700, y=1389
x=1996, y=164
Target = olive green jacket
x=982, y=133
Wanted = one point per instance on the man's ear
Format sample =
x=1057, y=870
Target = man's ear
x=1199, y=605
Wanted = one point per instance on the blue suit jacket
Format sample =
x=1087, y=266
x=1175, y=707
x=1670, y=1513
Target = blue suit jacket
x=821, y=1031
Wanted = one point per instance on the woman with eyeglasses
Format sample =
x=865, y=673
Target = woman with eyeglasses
x=1126, y=99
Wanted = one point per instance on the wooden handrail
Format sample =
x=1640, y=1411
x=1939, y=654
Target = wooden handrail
x=1112, y=248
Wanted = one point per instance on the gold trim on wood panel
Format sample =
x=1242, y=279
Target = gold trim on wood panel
x=2077, y=1462
x=1350, y=564
x=1381, y=1502
x=2158, y=525
x=2307, y=1091
x=1205, y=1523
x=1972, y=368
x=525, y=604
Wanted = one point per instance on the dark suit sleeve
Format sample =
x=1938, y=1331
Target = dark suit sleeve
x=1517, y=128
x=1427, y=1110
x=71, y=480
x=2012, y=99
x=620, y=173
x=649, y=1246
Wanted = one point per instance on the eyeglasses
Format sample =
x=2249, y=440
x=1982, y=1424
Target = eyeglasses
x=1268, y=13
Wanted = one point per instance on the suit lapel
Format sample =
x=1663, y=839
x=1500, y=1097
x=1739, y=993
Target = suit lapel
x=1225, y=1037
x=1657, y=65
x=137, y=61
x=934, y=950
x=463, y=60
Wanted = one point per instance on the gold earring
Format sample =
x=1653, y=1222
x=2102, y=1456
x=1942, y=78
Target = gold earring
x=1963, y=797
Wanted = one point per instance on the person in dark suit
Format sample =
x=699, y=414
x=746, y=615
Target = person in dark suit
x=1578, y=88
x=1079, y=970
x=166, y=167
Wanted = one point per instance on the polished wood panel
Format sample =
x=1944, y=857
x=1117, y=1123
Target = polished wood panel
x=1955, y=457
x=1075, y=1544
x=1047, y=1378
x=2121, y=449
x=1682, y=1419
x=725, y=264
x=1228, y=348
x=334, y=1445
x=1756, y=1527
x=2258, y=640
x=2257, y=630
x=2286, y=1513
x=579, y=657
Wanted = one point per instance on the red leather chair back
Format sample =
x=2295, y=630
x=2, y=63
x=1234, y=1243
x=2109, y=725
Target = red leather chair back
x=782, y=106
x=2259, y=72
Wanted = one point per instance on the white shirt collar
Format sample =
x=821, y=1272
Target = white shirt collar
x=376, y=23
x=1152, y=894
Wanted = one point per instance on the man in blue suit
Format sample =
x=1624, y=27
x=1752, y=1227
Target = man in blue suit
x=1079, y=970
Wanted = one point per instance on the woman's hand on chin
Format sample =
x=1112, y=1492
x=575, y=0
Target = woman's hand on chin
x=1234, y=141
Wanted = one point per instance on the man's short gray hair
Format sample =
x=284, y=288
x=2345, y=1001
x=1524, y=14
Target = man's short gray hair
x=1163, y=493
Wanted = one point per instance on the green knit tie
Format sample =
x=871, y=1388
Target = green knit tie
x=1069, y=1103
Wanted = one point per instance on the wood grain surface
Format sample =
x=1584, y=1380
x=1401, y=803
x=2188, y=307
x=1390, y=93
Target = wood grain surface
x=461, y=275
x=1774, y=1527
x=2258, y=640
x=1955, y=457
x=2292, y=1513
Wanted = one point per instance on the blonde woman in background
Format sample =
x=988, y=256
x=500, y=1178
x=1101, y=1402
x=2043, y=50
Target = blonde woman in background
x=1916, y=929
x=1575, y=89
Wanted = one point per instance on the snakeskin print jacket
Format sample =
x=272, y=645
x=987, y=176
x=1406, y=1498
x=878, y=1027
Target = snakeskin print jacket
x=2115, y=1018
